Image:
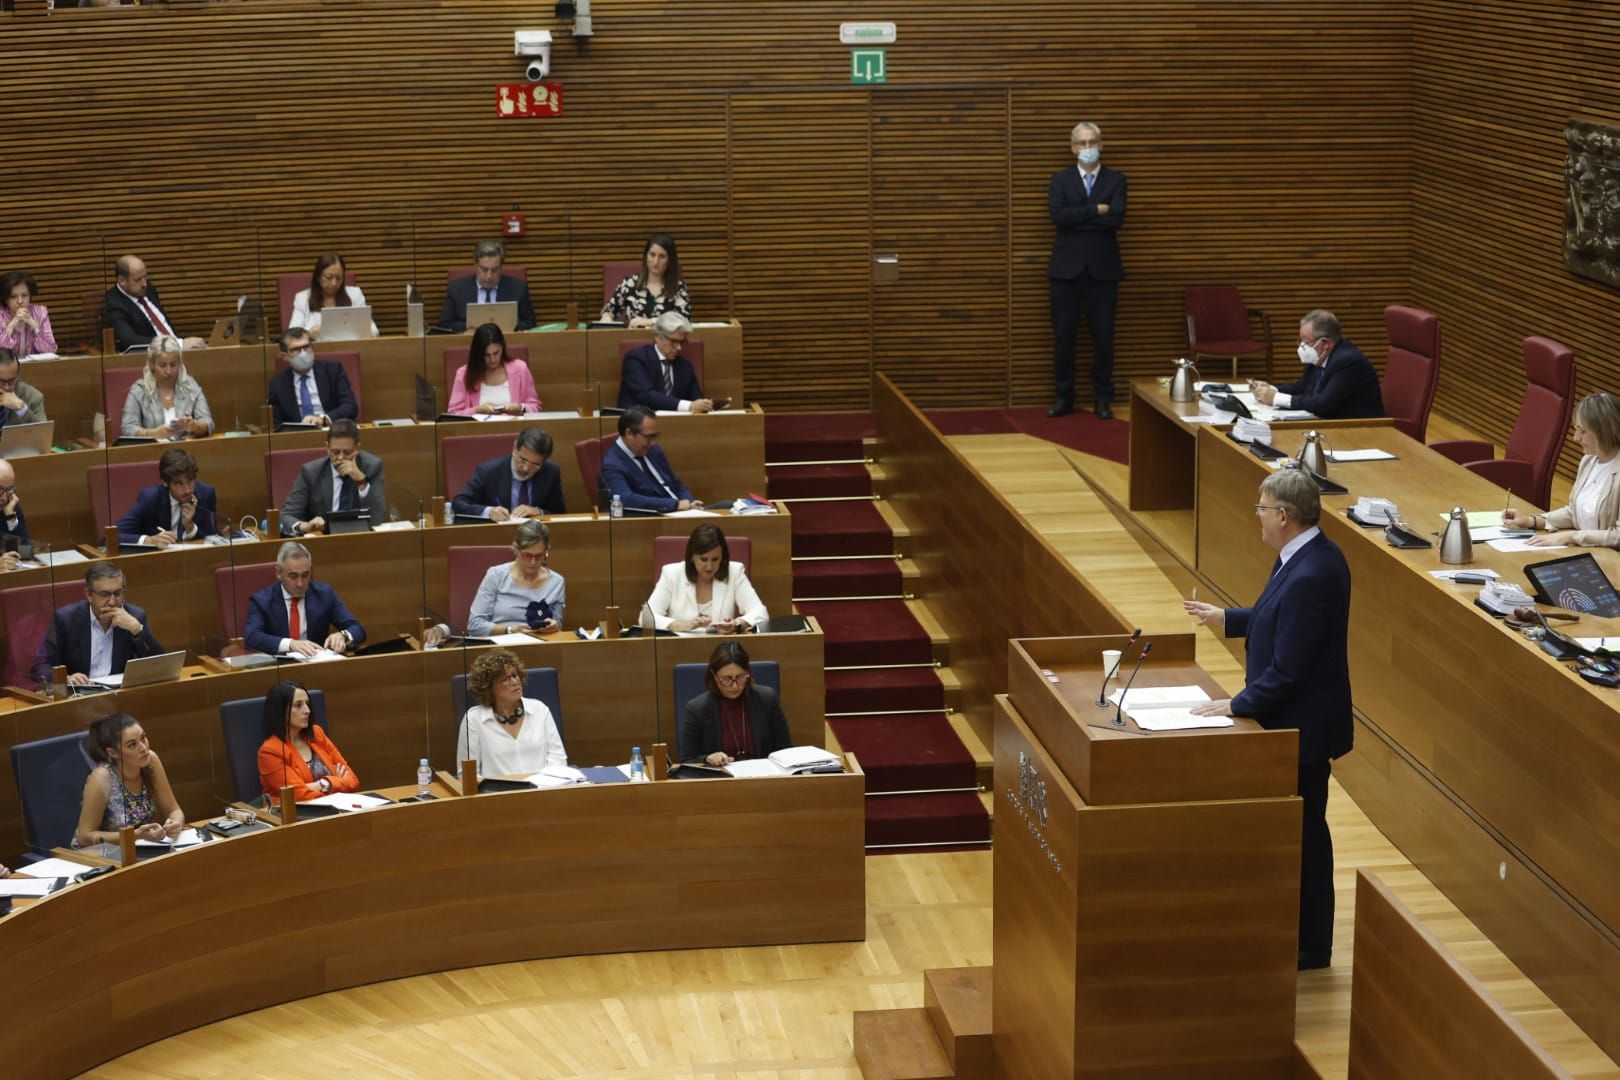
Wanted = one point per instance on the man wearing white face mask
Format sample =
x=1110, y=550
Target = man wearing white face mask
x=1087, y=205
x=1339, y=383
x=309, y=391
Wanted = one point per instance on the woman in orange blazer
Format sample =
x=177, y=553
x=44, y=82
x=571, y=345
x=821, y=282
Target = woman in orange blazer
x=297, y=753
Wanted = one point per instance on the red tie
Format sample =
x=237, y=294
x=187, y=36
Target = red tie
x=154, y=318
x=295, y=630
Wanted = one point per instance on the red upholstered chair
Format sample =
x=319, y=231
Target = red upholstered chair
x=589, y=453
x=1218, y=326
x=615, y=272
x=281, y=470
x=26, y=614
x=1532, y=449
x=115, y=384
x=467, y=566
x=350, y=362
x=464, y=453
x=288, y=286
x=1413, y=370
x=456, y=355
x=233, y=585
x=668, y=549
x=456, y=273
x=692, y=350
x=113, y=489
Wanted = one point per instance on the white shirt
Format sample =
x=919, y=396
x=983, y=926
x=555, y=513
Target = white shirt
x=101, y=649
x=317, y=406
x=311, y=320
x=667, y=367
x=174, y=521
x=1585, y=502
x=1291, y=548
x=651, y=468
x=498, y=754
x=498, y=396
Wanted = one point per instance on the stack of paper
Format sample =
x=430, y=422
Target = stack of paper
x=799, y=758
x=1360, y=455
x=346, y=801
x=1167, y=708
x=558, y=776
x=187, y=838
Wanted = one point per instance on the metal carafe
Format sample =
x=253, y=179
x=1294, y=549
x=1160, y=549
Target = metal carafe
x=1314, y=454
x=1184, y=383
x=1456, y=543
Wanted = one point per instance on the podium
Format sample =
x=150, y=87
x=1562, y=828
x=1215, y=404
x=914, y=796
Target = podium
x=1146, y=884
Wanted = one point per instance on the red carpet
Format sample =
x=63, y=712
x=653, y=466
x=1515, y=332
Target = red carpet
x=846, y=577
x=820, y=481
x=870, y=632
x=906, y=753
x=1080, y=431
x=840, y=528
x=884, y=690
x=815, y=436
x=943, y=818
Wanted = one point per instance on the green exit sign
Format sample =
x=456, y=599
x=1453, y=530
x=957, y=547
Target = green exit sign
x=867, y=66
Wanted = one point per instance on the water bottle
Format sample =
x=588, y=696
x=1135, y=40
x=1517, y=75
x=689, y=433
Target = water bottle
x=424, y=778
x=638, y=768
x=449, y=513
x=616, y=507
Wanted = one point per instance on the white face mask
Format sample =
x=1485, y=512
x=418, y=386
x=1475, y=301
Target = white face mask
x=302, y=360
x=1307, y=353
x=1089, y=155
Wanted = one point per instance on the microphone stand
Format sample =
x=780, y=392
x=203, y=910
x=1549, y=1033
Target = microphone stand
x=1102, y=690
x=1119, y=719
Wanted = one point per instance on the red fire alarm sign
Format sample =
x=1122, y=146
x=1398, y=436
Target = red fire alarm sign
x=515, y=100
x=514, y=225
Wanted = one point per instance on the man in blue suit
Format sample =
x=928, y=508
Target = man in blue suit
x=13, y=525
x=309, y=391
x=1087, y=207
x=657, y=376
x=1298, y=675
x=637, y=471
x=299, y=614
x=526, y=484
x=177, y=508
x=1339, y=382
x=98, y=635
x=487, y=285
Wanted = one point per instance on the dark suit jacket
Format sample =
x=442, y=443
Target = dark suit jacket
x=1296, y=634
x=1345, y=388
x=20, y=533
x=337, y=397
x=464, y=291
x=129, y=323
x=622, y=476
x=311, y=494
x=150, y=514
x=323, y=611
x=641, y=380
x=68, y=642
x=1086, y=241
x=491, y=485
x=700, y=733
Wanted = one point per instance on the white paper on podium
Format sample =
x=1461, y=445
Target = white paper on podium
x=1159, y=697
x=347, y=801
x=1175, y=719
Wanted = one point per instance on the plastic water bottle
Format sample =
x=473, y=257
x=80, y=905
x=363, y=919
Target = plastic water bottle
x=449, y=513
x=424, y=778
x=616, y=507
x=638, y=767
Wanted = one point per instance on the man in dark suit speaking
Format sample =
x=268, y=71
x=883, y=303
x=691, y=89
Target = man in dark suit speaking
x=98, y=635
x=1087, y=206
x=523, y=485
x=1339, y=382
x=299, y=614
x=347, y=478
x=486, y=285
x=1298, y=675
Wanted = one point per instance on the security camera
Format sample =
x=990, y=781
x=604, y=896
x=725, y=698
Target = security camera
x=536, y=45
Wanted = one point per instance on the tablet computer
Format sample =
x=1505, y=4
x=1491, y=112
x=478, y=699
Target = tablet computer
x=347, y=521
x=1575, y=583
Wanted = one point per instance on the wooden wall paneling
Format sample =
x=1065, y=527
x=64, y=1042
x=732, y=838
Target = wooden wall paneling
x=939, y=192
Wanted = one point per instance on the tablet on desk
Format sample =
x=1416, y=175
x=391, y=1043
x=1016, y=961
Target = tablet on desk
x=1575, y=583
x=347, y=521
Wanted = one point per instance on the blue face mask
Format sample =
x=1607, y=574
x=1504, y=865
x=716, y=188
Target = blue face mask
x=1089, y=155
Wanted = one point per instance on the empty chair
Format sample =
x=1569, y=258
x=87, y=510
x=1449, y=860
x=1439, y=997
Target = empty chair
x=539, y=683
x=589, y=454
x=233, y=585
x=1218, y=324
x=243, y=724
x=26, y=614
x=1538, y=435
x=668, y=549
x=1413, y=370
x=50, y=777
x=113, y=489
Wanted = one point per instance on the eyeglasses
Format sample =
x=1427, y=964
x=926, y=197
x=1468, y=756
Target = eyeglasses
x=650, y=436
x=731, y=680
x=1258, y=507
x=530, y=462
x=104, y=596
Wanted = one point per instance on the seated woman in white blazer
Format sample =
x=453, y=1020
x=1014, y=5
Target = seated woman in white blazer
x=707, y=589
x=326, y=289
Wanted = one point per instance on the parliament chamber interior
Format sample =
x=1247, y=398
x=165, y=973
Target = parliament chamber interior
x=647, y=539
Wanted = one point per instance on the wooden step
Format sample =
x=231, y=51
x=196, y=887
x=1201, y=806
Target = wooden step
x=939, y=641
x=897, y=525
x=899, y=1044
x=952, y=686
x=957, y=1001
x=984, y=758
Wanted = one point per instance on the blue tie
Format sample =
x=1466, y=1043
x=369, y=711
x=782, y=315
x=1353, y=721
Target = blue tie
x=520, y=493
x=304, y=401
x=1090, y=179
x=489, y=295
x=346, y=494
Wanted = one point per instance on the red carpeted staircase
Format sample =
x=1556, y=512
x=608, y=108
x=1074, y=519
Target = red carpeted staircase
x=886, y=703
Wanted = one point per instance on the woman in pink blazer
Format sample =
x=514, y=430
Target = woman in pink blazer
x=490, y=383
x=25, y=327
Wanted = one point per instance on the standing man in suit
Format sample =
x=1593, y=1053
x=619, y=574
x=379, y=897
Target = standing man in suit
x=657, y=376
x=19, y=402
x=178, y=507
x=133, y=310
x=299, y=614
x=1298, y=675
x=347, y=478
x=1087, y=205
x=98, y=635
x=636, y=470
x=487, y=285
x=309, y=391
x=527, y=484
x=1339, y=383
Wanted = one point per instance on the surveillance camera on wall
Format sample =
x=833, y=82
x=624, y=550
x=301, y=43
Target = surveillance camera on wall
x=536, y=45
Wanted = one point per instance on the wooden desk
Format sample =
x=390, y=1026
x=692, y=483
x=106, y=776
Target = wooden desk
x=1522, y=747
x=420, y=887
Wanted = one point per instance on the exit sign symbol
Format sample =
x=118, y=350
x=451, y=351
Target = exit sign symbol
x=867, y=66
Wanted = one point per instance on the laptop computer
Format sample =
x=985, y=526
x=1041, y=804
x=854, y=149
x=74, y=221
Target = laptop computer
x=503, y=313
x=27, y=440
x=345, y=323
x=226, y=332
x=347, y=521
x=145, y=670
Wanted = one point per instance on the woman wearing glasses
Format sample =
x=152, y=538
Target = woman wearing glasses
x=326, y=289
x=1592, y=518
x=734, y=718
x=506, y=733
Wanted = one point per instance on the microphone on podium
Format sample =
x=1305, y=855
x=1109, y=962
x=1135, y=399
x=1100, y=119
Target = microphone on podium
x=1119, y=719
x=1102, y=690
